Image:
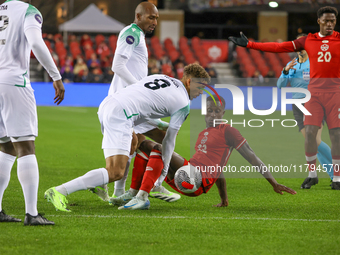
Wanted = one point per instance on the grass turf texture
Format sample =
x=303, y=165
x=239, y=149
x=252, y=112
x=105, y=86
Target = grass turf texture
x=257, y=221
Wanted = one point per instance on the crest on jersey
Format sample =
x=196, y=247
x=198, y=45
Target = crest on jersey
x=130, y=39
x=324, y=47
x=205, y=138
x=38, y=18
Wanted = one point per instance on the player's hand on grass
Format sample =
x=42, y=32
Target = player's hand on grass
x=59, y=91
x=279, y=188
x=240, y=41
x=222, y=204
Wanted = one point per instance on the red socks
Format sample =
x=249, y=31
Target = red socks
x=141, y=160
x=153, y=171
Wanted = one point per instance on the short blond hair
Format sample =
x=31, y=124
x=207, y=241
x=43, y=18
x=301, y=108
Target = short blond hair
x=196, y=71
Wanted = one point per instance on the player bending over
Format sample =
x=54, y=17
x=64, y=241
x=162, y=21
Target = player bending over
x=213, y=147
x=153, y=97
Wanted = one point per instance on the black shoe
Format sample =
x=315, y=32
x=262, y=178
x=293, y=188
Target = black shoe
x=36, y=220
x=309, y=182
x=6, y=218
x=335, y=185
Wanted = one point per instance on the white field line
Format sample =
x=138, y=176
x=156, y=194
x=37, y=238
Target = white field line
x=186, y=217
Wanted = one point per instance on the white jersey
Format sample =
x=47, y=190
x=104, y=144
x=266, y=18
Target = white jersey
x=131, y=45
x=155, y=96
x=15, y=18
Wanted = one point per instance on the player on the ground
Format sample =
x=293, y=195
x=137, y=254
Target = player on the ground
x=297, y=73
x=324, y=57
x=20, y=31
x=213, y=148
x=130, y=64
x=153, y=97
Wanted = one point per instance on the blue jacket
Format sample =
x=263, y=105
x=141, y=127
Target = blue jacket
x=298, y=78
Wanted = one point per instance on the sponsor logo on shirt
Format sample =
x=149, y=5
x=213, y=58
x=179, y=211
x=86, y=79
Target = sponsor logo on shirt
x=130, y=39
x=325, y=41
x=324, y=47
x=38, y=18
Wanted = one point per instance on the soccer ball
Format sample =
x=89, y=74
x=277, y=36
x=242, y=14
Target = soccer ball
x=188, y=179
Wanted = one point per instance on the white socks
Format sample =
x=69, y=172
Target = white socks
x=120, y=184
x=28, y=175
x=312, y=174
x=89, y=180
x=6, y=163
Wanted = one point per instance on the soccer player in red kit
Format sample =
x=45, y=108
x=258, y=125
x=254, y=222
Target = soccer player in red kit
x=324, y=57
x=213, y=147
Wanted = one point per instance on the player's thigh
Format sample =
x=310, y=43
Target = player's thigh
x=315, y=107
x=18, y=112
x=298, y=116
x=331, y=103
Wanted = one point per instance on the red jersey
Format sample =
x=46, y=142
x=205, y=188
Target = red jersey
x=213, y=148
x=324, y=58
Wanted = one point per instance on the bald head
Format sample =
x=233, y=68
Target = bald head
x=146, y=15
x=145, y=7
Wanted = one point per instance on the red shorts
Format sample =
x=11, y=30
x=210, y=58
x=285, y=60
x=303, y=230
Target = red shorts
x=172, y=185
x=323, y=104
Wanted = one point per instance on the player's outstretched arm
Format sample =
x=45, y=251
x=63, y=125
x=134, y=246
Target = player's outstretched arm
x=251, y=157
x=59, y=91
x=222, y=190
x=240, y=41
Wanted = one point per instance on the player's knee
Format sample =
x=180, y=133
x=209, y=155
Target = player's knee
x=311, y=132
x=334, y=135
x=115, y=175
x=157, y=147
x=8, y=148
x=146, y=146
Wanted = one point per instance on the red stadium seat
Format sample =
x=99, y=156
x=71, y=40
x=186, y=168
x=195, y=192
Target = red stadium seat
x=99, y=39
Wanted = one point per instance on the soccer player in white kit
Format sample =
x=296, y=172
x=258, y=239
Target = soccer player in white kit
x=20, y=31
x=153, y=97
x=130, y=64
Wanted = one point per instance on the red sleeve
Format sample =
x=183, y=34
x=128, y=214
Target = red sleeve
x=300, y=43
x=233, y=137
x=290, y=46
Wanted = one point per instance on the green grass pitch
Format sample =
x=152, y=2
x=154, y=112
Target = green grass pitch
x=257, y=221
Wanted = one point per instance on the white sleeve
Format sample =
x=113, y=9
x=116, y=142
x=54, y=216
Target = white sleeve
x=177, y=118
x=41, y=52
x=119, y=68
x=168, y=147
x=158, y=123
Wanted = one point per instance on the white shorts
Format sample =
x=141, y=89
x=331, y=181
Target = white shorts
x=116, y=128
x=18, y=112
x=143, y=128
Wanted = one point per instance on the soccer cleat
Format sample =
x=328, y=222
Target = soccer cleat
x=101, y=192
x=335, y=185
x=136, y=204
x=162, y=193
x=121, y=200
x=6, y=218
x=36, y=220
x=309, y=182
x=57, y=199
